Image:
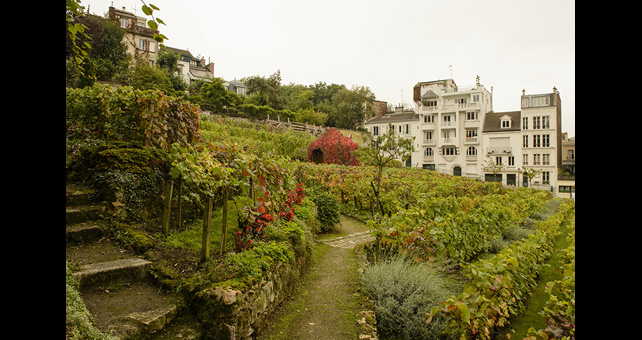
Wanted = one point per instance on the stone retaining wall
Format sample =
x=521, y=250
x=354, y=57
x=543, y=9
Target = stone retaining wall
x=230, y=314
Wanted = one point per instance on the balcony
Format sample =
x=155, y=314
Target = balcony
x=499, y=150
x=429, y=108
x=429, y=158
x=428, y=142
x=449, y=124
x=472, y=140
x=448, y=141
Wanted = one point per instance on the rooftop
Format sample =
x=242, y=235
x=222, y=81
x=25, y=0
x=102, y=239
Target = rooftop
x=492, y=122
x=393, y=117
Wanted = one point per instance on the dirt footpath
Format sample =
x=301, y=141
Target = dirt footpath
x=326, y=304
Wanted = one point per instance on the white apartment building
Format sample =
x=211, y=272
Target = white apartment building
x=542, y=136
x=501, y=140
x=456, y=132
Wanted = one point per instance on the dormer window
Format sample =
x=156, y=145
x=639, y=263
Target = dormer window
x=505, y=121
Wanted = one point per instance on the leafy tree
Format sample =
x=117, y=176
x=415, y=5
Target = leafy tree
x=146, y=77
x=381, y=151
x=169, y=61
x=215, y=97
x=333, y=148
x=269, y=87
x=493, y=167
x=531, y=173
x=349, y=107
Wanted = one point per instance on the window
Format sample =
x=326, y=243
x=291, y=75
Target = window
x=407, y=128
x=546, y=159
x=475, y=98
x=471, y=151
x=429, y=118
x=536, y=141
x=546, y=141
x=446, y=118
x=471, y=133
x=536, y=122
x=375, y=131
x=546, y=122
x=392, y=128
x=460, y=100
x=428, y=135
x=511, y=160
x=525, y=101
x=429, y=103
x=498, y=160
x=540, y=101
x=525, y=123
x=472, y=116
x=429, y=152
x=525, y=138
x=505, y=123
x=536, y=159
x=524, y=159
x=448, y=151
x=123, y=23
x=546, y=177
x=143, y=44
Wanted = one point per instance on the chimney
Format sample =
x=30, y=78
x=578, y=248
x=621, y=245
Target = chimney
x=554, y=89
x=202, y=62
x=523, y=92
x=210, y=66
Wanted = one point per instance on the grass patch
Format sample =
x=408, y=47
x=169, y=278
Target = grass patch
x=192, y=236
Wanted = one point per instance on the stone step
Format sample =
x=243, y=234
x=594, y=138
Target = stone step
x=78, y=197
x=84, y=213
x=83, y=233
x=131, y=310
x=111, y=272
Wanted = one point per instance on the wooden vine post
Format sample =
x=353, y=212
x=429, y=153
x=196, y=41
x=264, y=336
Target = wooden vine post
x=207, y=226
x=179, y=209
x=224, y=232
x=168, y=206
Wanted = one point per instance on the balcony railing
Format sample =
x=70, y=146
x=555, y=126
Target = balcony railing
x=429, y=141
x=499, y=150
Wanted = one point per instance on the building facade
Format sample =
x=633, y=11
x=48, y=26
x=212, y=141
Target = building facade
x=138, y=37
x=501, y=140
x=192, y=68
x=449, y=128
x=457, y=133
x=542, y=136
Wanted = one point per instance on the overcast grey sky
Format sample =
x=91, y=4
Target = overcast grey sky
x=388, y=46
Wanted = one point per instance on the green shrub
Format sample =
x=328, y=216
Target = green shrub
x=327, y=209
x=403, y=292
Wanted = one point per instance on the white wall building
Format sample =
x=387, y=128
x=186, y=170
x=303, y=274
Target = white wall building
x=450, y=123
x=501, y=140
x=542, y=136
x=456, y=131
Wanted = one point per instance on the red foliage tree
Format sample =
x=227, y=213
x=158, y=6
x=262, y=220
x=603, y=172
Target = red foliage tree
x=333, y=147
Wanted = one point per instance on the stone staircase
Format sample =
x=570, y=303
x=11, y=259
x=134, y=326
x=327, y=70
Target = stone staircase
x=115, y=284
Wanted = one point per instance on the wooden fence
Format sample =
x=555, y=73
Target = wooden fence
x=313, y=129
